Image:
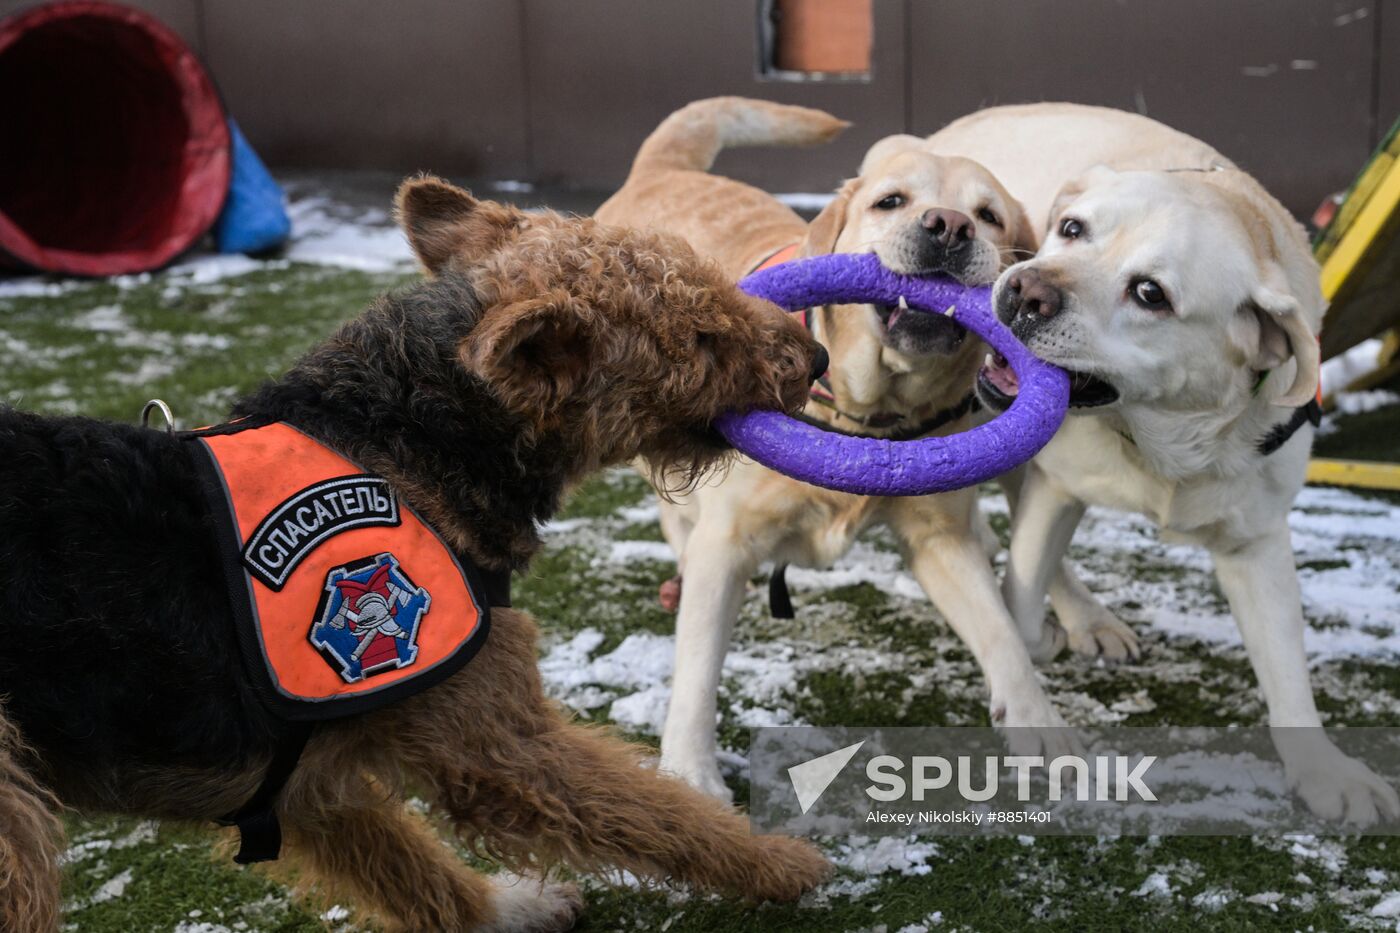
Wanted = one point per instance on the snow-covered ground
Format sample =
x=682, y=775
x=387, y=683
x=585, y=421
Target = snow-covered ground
x=1347, y=545
x=865, y=634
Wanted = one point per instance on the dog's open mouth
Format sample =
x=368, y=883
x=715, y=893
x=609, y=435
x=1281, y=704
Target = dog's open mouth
x=919, y=329
x=998, y=386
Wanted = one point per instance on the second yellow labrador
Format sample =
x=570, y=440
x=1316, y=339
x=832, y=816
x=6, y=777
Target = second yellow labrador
x=1185, y=300
x=893, y=373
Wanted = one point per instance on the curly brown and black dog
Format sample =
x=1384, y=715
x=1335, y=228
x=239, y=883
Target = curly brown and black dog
x=540, y=349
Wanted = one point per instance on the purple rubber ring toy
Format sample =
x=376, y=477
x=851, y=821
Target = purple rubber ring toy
x=875, y=467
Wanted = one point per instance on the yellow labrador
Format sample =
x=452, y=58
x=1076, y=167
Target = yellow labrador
x=893, y=373
x=1186, y=301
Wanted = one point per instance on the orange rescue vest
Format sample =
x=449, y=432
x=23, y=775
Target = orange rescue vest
x=344, y=599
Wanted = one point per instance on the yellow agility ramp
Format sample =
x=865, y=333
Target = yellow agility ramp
x=1359, y=251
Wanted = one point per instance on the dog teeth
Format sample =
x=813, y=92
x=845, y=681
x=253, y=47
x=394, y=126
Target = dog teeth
x=903, y=305
x=951, y=310
x=989, y=362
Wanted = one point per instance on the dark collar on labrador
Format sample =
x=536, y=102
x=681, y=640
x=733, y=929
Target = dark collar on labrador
x=1279, y=434
x=938, y=419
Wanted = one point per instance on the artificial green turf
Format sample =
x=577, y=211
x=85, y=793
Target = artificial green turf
x=870, y=658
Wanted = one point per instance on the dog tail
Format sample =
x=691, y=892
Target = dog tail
x=693, y=136
x=30, y=843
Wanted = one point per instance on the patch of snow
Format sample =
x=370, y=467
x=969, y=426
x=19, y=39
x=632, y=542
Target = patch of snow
x=144, y=832
x=905, y=856
x=1329, y=854
x=1359, y=403
x=649, y=513
x=863, y=563
x=1345, y=368
x=625, y=552
x=642, y=660
x=207, y=268
x=1212, y=899
x=1387, y=906
x=643, y=711
x=36, y=286
x=80, y=851
x=1155, y=885
x=323, y=236
x=559, y=526
x=103, y=318
x=1138, y=702
x=1269, y=899
x=112, y=889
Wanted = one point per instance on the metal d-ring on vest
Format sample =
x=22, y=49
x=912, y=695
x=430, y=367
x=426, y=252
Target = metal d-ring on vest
x=159, y=405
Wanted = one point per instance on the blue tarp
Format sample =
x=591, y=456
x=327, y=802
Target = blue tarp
x=254, y=218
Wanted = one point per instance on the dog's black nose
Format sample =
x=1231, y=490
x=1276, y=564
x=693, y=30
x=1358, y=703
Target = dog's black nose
x=949, y=229
x=821, y=362
x=1027, y=294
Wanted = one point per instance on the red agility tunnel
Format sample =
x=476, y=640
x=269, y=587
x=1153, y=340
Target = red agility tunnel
x=114, y=149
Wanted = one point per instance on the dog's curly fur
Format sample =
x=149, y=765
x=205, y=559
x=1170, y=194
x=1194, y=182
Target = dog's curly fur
x=542, y=348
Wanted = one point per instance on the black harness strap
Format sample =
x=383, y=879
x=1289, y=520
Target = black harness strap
x=495, y=586
x=260, y=835
x=779, y=597
x=1281, y=433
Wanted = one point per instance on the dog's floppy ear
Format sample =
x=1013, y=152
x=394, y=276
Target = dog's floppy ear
x=825, y=229
x=534, y=354
x=1284, y=331
x=882, y=150
x=443, y=222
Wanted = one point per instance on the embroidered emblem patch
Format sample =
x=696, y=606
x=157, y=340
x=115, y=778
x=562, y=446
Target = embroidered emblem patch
x=304, y=520
x=368, y=618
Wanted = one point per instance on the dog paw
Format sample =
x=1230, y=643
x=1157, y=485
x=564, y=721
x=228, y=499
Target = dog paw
x=785, y=869
x=1344, y=790
x=703, y=775
x=1033, y=727
x=1051, y=642
x=529, y=905
x=1105, y=636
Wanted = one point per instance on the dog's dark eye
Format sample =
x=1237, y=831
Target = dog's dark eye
x=1149, y=295
x=889, y=202
x=1071, y=229
x=986, y=216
